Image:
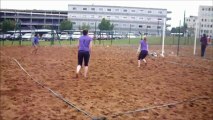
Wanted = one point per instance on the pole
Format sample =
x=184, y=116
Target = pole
x=19, y=27
x=158, y=27
x=129, y=32
x=164, y=29
x=179, y=39
x=95, y=33
x=195, y=37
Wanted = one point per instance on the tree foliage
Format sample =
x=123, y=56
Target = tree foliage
x=65, y=25
x=8, y=25
x=105, y=25
x=84, y=26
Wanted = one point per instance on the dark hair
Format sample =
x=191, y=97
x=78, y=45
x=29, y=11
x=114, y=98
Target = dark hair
x=35, y=35
x=204, y=35
x=85, y=32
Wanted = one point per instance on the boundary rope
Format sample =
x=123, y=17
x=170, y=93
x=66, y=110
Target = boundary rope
x=159, y=106
x=59, y=96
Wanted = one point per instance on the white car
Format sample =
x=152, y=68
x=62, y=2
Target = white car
x=131, y=35
x=27, y=36
x=64, y=36
x=91, y=35
x=76, y=35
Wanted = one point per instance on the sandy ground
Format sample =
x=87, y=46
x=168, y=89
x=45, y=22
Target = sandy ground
x=115, y=84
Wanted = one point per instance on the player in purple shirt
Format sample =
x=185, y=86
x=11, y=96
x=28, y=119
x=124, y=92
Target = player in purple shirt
x=35, y=44
x=142, y=50
x=204, y=43
x=84, y=49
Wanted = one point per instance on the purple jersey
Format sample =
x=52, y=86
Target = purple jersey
x=84, y=42
x=144, y=45
x=35, y=40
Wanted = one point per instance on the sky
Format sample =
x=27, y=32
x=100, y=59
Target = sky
x=176, y=6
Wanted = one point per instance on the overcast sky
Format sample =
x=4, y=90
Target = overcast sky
x=176, y=6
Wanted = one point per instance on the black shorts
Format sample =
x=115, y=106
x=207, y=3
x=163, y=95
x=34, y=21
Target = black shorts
x=142, y=54
x=83, y=55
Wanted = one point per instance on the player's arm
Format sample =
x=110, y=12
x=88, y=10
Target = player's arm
x=139, y=47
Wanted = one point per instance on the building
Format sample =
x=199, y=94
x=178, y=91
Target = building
x=34, y=19
x=205, y=20
x=191, y=24
x=124, y=19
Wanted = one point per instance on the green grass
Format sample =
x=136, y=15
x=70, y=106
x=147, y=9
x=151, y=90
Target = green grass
x=152, y=41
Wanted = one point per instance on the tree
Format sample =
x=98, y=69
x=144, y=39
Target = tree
x=65, y=25
x=105, y=25
x=8, y=25
x=84, y=26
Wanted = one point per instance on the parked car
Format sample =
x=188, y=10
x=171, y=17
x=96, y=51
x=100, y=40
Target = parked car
x=5, y=36
x=64, y=36
x=91, y=35
x=102, y=36
x=131, y=35
x=76, y=35
x=15, y=36
x=27, y=36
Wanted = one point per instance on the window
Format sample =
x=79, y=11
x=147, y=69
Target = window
x=140, y=18
x=132, y=25
x=99, y=16
x=133, y=17
x=141, y=10
x=74, y=8
x=158, y=27
x=211, y=20
x=117, y=17
x=202, y=9
x=84, y=16
x=209, y=9
x=149, y=11
x=124, y=17
x=148, y=27
x=125, y=10
x=201, y=25
x=84, y=8
x=193, y=20
x=108, y=10
x=116, y=24
x=205, y=20
x=108, y=17
x=117, y=10
x=73, y=16
x=160, y=12
x=189, y=20
x=140, y=26
x=124, y=25
x=100, y=9
x=73, y=23
x=92, y=9
x=148, y=19
x=211, y=26
x=91, y=23
x=132, y=10
x=92, y=16
x=202, y=20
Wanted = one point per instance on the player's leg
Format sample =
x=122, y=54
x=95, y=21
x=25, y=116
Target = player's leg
x=80, y=61
x=86, y=63
x=139, y=59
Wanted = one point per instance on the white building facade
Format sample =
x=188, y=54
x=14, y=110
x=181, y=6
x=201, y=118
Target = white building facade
x=124, y=19
x=205, y=20
x=191, y=24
